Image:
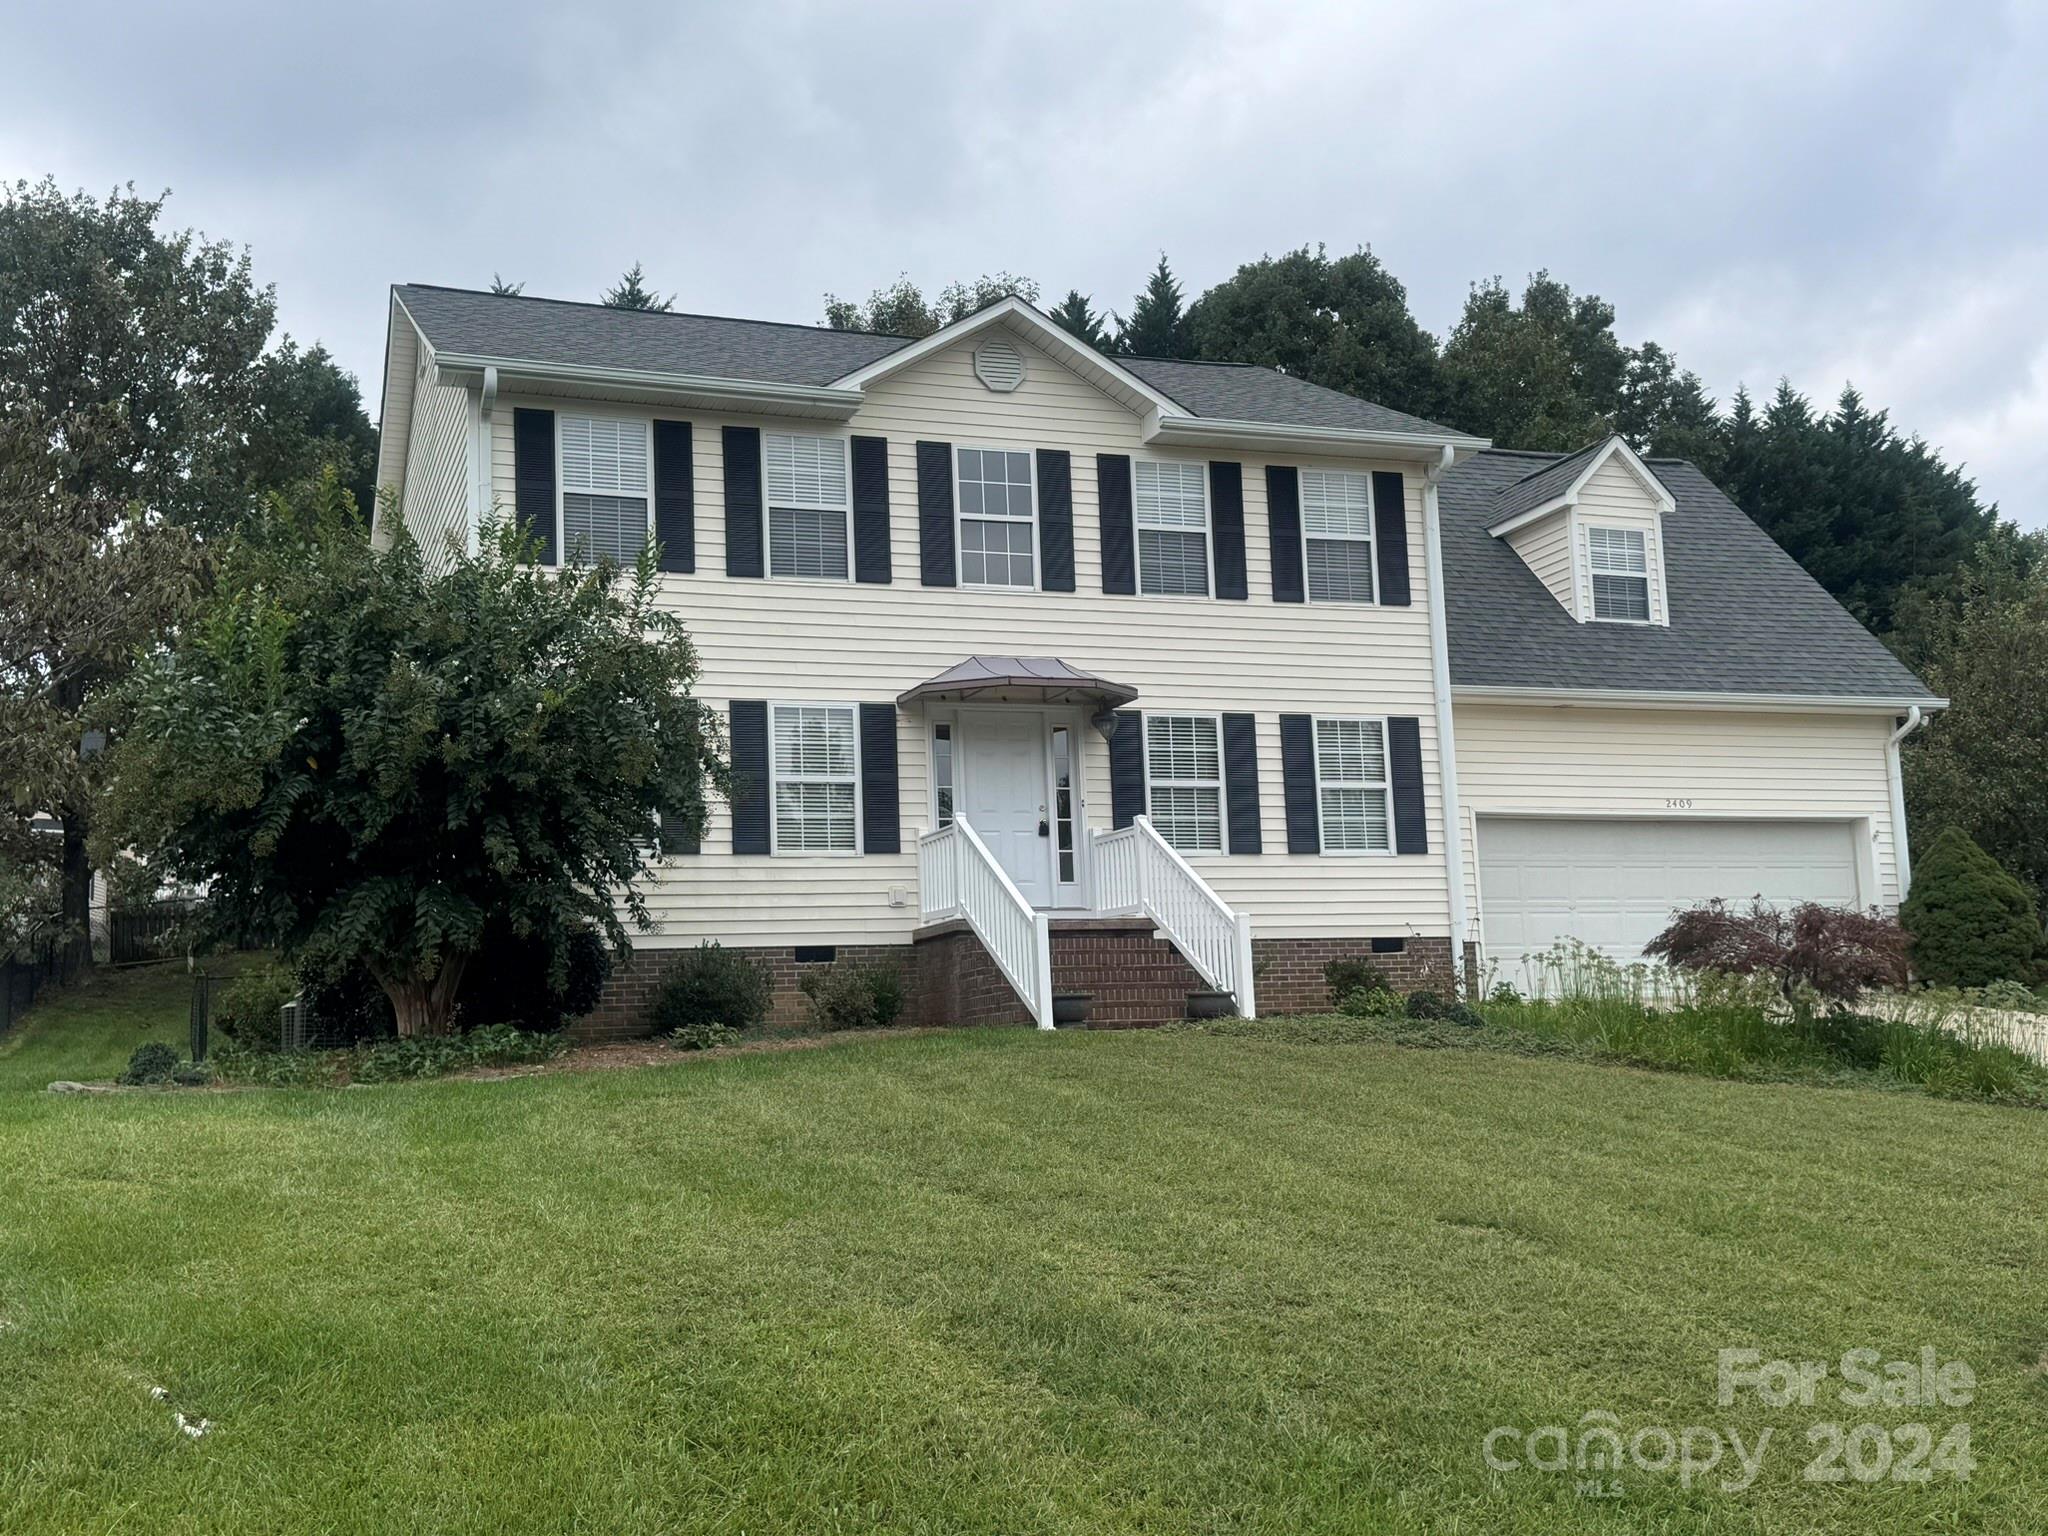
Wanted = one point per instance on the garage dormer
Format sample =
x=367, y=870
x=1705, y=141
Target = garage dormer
x=1591, y=526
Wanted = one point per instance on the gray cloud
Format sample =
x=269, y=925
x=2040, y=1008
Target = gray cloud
x=1828, y=192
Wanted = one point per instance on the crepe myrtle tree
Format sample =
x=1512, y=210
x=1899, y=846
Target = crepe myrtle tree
x=370, y=756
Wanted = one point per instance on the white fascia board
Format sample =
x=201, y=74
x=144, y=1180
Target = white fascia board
x=1521, y=520
x=468, y=369
x=1210, y=431
x=1569, y=496
x=1077, y=355
x=1649, y=698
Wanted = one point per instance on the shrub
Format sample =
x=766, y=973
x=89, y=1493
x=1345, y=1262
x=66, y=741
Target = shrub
x=1354, y=973
x=854, y=996
x=1426, y=1004
x=191, y=1075
x=2008, y=996
x=248, y=1011
x=348, y=1007
x=533, y=982
x=713, y=985
x=703, y=1037
x=152, y=1062
x=1972, y=923
x=1371, y=1003
x=1504, y=992
x=1834, y=952
x=1854, y=1038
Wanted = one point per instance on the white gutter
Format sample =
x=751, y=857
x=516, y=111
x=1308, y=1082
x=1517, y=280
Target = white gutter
x=1446, y=734
x=1210, y=430
x=468, y=369
x=1654, y=698
x=1896, y=781
x=485, y=403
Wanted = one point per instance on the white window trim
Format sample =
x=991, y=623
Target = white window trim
x=775, y=780
x=562, y=491
x=1652, y=563
x=1316, y=761
x=960, y=517
x=1371, y=542
x=845, y=441
x=1222, y=774
x=951, y=722
x=1138, y=542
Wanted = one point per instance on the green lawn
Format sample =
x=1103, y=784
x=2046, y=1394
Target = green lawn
x=981, y=1282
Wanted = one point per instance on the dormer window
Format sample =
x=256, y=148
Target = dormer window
x=1620, y=562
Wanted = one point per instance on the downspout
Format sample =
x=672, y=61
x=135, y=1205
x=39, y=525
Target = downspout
x=1446, y=735
x=1895, y=780
x=480, y=448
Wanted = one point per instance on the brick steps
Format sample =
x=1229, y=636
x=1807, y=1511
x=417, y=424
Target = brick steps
x=1137, y=980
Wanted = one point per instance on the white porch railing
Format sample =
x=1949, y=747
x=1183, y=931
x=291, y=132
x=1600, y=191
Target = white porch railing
x=958, y=877
x=1138, y=872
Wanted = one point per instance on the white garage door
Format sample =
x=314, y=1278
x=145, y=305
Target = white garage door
x=1613, y=883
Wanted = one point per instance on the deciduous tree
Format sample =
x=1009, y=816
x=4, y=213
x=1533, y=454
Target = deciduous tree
x=372, y=757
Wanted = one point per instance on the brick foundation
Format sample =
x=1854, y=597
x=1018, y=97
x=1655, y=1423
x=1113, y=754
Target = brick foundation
x=1135, y=979
x=622, y=1012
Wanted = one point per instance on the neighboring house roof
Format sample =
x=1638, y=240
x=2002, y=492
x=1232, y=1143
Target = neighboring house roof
x=516, y=328
x=1745, y=617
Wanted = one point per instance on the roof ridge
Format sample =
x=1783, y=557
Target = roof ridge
x=678, y=314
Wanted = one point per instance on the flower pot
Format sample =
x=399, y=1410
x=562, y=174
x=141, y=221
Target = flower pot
x=1071, y=1008
x=1211, y=1005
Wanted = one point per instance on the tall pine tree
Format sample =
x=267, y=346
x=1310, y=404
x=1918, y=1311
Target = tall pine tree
x=1074, y=316
x=631, y=292
x=1157, y=326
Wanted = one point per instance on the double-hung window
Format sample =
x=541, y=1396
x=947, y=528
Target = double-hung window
x=1351, y=785
x=1184, y=780
x=816, y=768
x=810, y=507
x=1620, y=561
x=1336, y=529
x=604, y=489
x=1172, y=508
x=996, y=520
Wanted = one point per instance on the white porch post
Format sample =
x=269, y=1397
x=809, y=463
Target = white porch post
x=1042, y=942
x=1247, y=1003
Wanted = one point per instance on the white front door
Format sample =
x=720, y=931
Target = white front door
x=1004, y=795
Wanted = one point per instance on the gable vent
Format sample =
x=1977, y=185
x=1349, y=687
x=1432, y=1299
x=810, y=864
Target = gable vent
x=999, y=364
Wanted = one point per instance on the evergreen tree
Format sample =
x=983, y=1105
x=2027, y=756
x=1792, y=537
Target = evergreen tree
x=631, y=292
x=1972, y=923
x=1074, y=316
x=513, y=290
x=1157, y=326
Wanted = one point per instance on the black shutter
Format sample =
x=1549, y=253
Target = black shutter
x=880, y=824
x=533, y=476
x=1404, y=769
x=1298, y=769
x=749, y=775
x=1127, y=768
x=1226, y=518
x=675, y=497
x=1113, y=503
x=1283, y=530
x=743, y=538
x=1390, y=533
x=1241, y=781
x=935, y=514
x=1056, y=520
x=871, y=509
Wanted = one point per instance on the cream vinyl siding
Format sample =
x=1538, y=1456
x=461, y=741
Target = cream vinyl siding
x=1546, y=548
x=806, y=640
x=436, y=497
x=1679, y=765
x=1615, y=498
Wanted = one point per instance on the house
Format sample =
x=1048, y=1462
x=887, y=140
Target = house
x=1046, y=671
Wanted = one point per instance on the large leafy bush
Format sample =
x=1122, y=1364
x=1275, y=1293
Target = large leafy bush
x=1836, y=953
x=712, y=985
x=1972, y=923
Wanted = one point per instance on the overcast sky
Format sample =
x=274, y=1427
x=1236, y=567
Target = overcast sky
x=1828, y=192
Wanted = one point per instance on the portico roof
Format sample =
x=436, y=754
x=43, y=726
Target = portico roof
x=1019, y=680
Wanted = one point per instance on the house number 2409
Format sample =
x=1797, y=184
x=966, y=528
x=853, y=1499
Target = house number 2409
x=1677, y=805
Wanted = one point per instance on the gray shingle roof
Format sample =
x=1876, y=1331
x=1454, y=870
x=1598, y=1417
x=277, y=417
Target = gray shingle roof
x=461, y=320
x=594, y=336
x=1745, y=618
x=1547, y=483
x=1242, y=392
